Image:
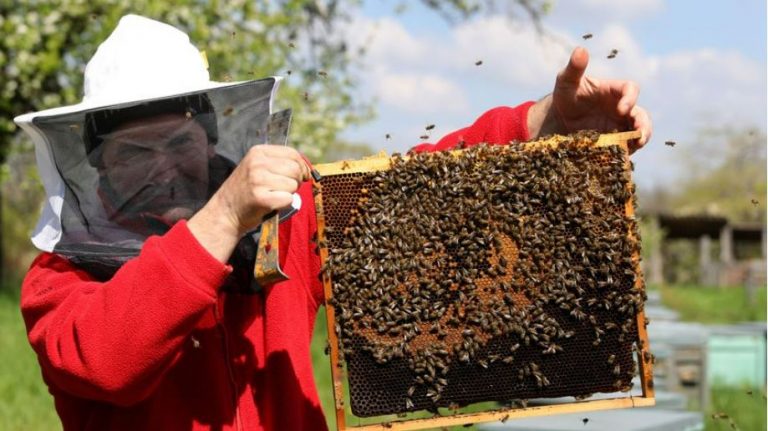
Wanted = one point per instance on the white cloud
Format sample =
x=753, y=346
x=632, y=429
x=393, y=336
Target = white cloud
x=695, y=83
x=389, y=44
x=420, y=93
x=512, y=55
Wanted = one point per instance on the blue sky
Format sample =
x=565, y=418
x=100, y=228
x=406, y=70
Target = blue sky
x=698, y=63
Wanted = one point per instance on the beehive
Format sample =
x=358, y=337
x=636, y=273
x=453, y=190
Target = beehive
x=492, y=273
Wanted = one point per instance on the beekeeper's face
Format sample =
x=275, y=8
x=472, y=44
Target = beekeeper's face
x=157, y=166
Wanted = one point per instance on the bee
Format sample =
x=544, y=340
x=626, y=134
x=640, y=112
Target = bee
x=344, y=165
x=670, y=143
x=429, y=127
x=586, y=36
x=478, y=62
x=424, y=137
x=188, y=115
x=322, y=73
x=408, y=404
x=288, y=72
x=585, y=420
x=613, y=53
x=387, y=136
x=755, y=202
x=291, y=45
x=228, y=111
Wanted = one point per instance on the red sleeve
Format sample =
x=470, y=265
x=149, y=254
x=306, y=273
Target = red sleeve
x=499, y=126
x=113, y=341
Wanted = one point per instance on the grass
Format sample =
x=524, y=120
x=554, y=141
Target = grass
x=714, y=304
x=736, y=409
x=24, y=400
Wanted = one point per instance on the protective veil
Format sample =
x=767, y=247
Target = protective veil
x=129, y=171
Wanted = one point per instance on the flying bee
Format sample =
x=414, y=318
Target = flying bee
x=613, y=53
x=228, y=111
x=387, y=136
x=587, y=36
x=424, y=137
x=478, y=62
x=670, y=143
x=322, y=73
x=429, y=127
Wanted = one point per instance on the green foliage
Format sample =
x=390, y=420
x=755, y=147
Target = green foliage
x=714, y=305
x=242, y=40
x=22, y=196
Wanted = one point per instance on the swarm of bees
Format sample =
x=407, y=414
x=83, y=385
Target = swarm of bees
x=501, y=273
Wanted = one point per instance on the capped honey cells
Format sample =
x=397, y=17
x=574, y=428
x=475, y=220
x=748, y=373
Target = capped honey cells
x=494, y=273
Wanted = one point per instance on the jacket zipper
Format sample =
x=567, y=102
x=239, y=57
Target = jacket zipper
x=227, y=359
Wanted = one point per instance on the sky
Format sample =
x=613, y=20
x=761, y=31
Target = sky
x=698, y=64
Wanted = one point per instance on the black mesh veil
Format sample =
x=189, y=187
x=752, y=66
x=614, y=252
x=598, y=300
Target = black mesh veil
x=129, y=171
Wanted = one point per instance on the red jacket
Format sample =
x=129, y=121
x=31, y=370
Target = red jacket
x=159, y=347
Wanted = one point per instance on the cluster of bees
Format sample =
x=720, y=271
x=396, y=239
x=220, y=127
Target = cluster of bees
x=490, y=259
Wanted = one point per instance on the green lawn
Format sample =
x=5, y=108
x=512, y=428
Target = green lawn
x=745, y=408
x=25, y=404
x=714, y=304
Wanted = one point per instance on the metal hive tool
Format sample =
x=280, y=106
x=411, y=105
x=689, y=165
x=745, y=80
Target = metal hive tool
x=495, y=273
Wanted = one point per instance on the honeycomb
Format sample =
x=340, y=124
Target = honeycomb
x=494, y=273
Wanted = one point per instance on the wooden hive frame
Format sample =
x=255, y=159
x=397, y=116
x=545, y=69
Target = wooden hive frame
x=644, y=358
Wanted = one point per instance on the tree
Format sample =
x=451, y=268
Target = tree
x=725, y=174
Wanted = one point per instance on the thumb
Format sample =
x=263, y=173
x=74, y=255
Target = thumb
x=576, y=66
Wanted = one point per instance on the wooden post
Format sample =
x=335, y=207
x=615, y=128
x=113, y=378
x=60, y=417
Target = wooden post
x=705, y=260
x=656, y=260
x=726, y=254
x=726, y=245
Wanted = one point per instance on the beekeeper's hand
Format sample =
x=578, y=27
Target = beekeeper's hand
x=262, y=182
x=582, y=102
